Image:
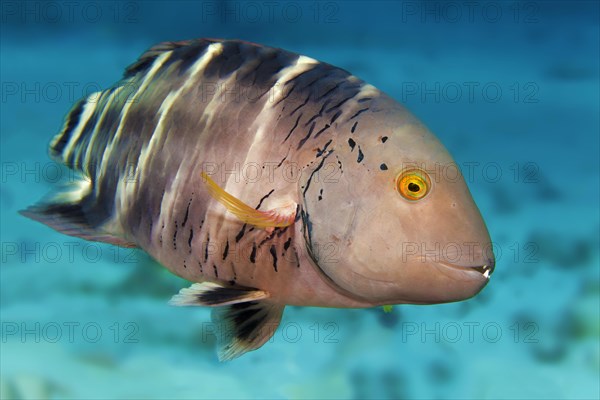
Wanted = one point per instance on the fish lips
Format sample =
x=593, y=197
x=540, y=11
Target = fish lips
x=481, y=272
x=468, y=280
x=455, y=282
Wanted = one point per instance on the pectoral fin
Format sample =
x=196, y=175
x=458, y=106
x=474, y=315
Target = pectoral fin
x=277, y=218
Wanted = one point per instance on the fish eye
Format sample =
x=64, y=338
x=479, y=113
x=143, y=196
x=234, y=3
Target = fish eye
x=413, y=184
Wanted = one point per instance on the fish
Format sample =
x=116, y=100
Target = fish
x=267, y=178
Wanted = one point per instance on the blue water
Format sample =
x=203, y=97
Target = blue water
x=511, y=88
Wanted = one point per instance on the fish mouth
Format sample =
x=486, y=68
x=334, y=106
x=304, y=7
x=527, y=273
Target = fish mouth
x=486, y=269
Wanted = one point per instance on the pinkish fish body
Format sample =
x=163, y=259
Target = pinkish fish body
x=268, y=179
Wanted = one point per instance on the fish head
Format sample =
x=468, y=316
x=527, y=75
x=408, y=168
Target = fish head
x=396, y=223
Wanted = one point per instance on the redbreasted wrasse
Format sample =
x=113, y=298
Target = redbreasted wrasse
x=268, y=178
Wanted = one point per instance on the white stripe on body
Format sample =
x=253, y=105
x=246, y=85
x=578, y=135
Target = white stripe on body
x=126, y=189
x=367, y=90
x=301, y=65
x=211, y=51
x=265, y=117
x=145, y=82
x=88, y=152
x=86, y=114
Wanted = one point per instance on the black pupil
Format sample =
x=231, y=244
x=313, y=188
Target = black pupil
x=413, y=187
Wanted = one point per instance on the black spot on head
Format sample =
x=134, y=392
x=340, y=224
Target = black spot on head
x=383, y=167
x=384, y=139
x=360, y=155
x=352, y=143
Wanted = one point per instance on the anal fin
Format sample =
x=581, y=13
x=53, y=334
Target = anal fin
x=244, y=327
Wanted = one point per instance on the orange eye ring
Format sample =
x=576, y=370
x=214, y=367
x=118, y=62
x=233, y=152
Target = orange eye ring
x=413, y=184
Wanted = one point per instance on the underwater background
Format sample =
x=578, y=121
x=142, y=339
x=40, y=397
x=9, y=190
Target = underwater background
x=511, y=88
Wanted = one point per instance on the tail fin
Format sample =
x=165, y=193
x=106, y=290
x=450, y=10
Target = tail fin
x=71, y=212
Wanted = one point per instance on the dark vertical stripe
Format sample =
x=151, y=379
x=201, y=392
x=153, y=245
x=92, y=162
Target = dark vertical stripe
x=175, y=237
x=273, y=252
x=206, y=248
x=226, y=251
x=190, y=239
x=253, y=254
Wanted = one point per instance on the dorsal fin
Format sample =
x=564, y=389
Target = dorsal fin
x=148, y=57
x=144, y=61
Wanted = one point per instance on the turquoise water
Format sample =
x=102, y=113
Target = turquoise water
x=511, y=88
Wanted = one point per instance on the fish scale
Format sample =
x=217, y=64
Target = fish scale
x=167, y=157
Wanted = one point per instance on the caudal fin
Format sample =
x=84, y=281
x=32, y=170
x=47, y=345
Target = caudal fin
x=73, y=212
